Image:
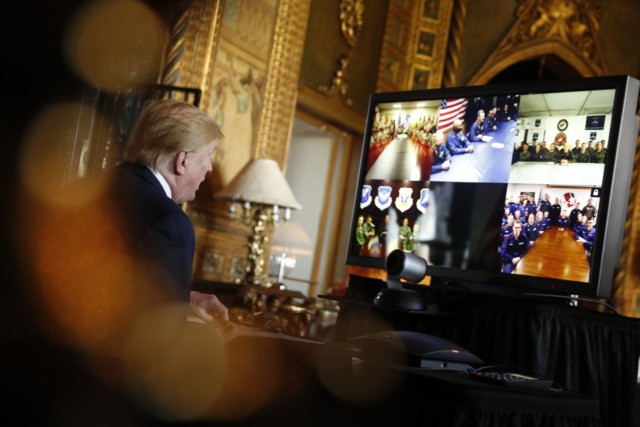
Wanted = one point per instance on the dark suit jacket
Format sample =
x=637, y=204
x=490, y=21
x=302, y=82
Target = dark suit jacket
x=159, y=230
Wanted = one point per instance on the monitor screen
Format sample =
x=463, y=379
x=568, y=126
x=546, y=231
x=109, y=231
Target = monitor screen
x=524, y=186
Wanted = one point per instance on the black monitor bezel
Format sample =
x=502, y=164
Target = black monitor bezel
x=617, y=181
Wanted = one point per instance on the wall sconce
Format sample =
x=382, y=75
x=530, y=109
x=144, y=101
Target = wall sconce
x=257, y=195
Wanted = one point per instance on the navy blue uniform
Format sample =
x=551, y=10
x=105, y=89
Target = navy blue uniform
x=440, y=155
x=532, y=231
x=476, y=131
x=505, y=231
x=490, y=123
x=513, y=248
x=554, y=213
x=457, y=142
x=573, y=216
x=588, y=235
x=520, y=208
x=546, y=223
x=530, y=209
x=544, y=206
x=578, y=226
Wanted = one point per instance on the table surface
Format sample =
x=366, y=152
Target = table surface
x=556, y=255
x=407, y=160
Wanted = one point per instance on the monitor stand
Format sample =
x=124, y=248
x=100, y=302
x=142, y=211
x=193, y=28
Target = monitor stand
x=396, y=296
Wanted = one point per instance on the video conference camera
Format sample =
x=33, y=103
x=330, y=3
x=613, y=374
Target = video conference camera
x=407, y=266
x=402, y=265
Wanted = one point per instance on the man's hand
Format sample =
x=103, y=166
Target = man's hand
x=208, y=307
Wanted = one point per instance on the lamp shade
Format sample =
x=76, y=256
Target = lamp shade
x=260, y=181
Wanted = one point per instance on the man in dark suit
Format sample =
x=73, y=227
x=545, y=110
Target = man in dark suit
x=111, y=260
x=165, y=161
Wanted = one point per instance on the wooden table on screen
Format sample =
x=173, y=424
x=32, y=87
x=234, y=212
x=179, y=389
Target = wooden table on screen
x=557, y=255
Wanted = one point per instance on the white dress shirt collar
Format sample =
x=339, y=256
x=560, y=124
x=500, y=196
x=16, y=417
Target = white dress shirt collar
x=163, y=182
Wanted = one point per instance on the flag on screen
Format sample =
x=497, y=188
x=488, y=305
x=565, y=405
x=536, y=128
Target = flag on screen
x=451, y=109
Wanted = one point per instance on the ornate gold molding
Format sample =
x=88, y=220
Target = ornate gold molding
x=282, y=80
x=351, y=21
x=176, y=46
x=414, y=48
x=626, y=290
x=194, y=33
x=454, y=46
x=565, y=28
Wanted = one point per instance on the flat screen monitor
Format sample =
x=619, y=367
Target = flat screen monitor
x=524, y=187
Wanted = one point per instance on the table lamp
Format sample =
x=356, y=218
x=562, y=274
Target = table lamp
x=290, y=240
x=257, y=194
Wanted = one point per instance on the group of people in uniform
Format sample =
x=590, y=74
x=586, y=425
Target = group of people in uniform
x=372, y=239
x=524, y=221
x=458, y=142
x=561, y=153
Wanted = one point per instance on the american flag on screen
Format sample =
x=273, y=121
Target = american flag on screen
x=451, y=109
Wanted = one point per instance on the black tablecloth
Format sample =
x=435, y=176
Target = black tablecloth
x=583, y=350
x=420, y=397
x=326, y=388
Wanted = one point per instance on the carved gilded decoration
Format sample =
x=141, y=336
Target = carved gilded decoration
x=626, y=287
x=282, y=80
x=567, y=29
x=414, y=45
x=176, y=46
x=454, y=46
x=351, y=21
x=193, y=38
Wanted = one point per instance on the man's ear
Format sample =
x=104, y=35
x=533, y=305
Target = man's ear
x=180, y=163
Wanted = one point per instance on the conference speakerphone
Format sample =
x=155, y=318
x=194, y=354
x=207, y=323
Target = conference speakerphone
x=414, y=349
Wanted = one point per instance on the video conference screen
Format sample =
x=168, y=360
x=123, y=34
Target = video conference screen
x=507, y=184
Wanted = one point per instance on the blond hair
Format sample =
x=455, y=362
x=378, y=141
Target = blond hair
x=166, y=127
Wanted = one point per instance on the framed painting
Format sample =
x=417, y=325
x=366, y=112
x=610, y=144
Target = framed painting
x=431, y=9
x=425, y=43
x=420, y=77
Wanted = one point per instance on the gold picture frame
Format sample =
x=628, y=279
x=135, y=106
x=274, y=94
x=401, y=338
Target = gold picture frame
x=430, y=10
x=425, y=43
x=420, y=77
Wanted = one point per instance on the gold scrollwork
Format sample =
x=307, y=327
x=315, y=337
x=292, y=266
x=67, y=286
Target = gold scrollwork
x=176, y=45
x=351, y=12
x=573, y=22
x=452, y=61
x=351, y=20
